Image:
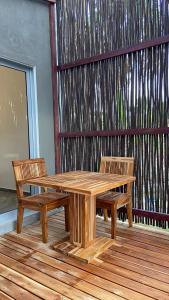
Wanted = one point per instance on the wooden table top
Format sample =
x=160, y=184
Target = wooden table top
x=83, y=182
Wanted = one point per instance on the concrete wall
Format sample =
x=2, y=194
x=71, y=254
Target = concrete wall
x=24, y=36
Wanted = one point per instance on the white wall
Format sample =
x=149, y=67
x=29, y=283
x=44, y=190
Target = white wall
x=13, y=123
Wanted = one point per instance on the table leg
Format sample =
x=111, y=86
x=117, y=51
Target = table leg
x=83, y=243
x=82, y=220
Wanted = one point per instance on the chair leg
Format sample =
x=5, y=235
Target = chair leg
x=44, y=220
x=19, y=219
x=113, y=221
x=105, y=215
x=67, y=222
x=129, y=213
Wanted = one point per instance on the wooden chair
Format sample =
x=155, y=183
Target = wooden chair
x=114, y=200
x=29, y=169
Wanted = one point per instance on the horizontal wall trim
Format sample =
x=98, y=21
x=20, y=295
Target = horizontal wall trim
x=135, y=131
x=114, y=53
x=151, y=214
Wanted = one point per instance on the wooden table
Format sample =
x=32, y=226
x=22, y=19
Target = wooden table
x=83, y=187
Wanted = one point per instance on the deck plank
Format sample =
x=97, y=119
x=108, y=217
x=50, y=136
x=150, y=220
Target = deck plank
x=4, y=296
x=125, y=272
x=15, y=291
x=135, y=267
x=51, y=286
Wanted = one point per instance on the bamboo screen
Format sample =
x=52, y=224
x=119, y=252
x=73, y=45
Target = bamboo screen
x=90, y=27
x=151, y=154
x=129, y=91
x=137, y=96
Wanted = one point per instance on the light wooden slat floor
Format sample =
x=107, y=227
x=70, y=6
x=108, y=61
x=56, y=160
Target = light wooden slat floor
x=136, y=267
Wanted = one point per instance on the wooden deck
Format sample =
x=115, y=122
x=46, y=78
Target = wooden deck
x=135, y=267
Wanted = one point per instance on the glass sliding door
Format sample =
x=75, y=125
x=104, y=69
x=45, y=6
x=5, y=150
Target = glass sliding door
x=14, y=135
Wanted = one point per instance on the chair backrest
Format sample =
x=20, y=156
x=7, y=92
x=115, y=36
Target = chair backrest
x=118, y=165
x=27, y=169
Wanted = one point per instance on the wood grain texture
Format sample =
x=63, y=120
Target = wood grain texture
x=133, y=268
x=83, y=182
x=44, y=202
x=5, y=296
x=84, y=186
x=82, y=219
x=114, y=200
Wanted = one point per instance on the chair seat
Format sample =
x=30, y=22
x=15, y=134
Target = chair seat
x=45, y=199
x=107, y=199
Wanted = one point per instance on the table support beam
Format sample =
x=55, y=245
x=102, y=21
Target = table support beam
x=82, y=219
